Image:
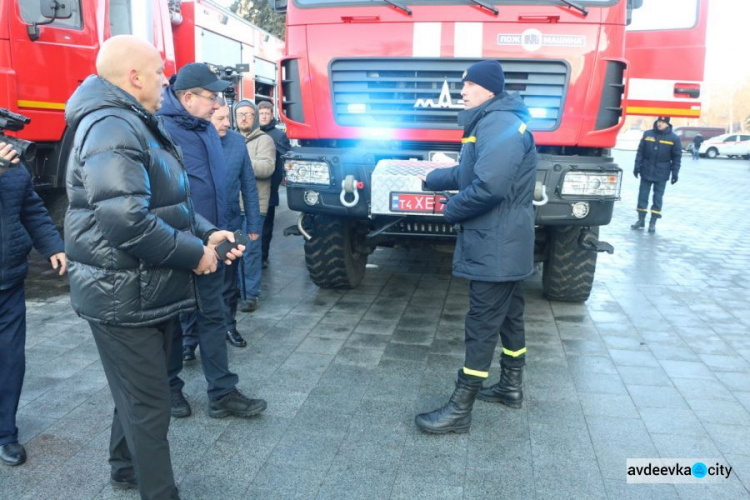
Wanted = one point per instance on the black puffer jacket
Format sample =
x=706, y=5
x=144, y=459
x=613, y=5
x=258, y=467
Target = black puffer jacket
x=130, y=230
x=659, y=155
x=495, y=178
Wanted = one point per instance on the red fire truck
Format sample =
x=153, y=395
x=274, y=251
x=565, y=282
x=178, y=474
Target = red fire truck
x=45, y=54
x=368, y=87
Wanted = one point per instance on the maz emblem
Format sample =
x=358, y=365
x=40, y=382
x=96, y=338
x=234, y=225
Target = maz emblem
x=444, y=101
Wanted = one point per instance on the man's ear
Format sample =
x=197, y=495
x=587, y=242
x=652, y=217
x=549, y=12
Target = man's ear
x=134, y=78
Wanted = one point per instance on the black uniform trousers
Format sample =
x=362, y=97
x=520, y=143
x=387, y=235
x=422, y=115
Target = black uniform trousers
x=495, y=310
x=12, y=359
x=644, y=190
x=135, y=363
x=267, y=232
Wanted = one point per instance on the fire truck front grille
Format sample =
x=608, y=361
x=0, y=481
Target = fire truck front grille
x=426, y=93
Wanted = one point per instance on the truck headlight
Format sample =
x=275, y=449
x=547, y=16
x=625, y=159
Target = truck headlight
x=307, y=172
x=592, y=184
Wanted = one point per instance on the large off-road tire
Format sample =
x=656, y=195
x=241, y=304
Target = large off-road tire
x=568, y=273
x=330, y=254
x=56, y=202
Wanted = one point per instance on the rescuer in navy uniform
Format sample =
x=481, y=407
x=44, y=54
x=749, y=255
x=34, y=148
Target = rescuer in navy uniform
x=494, y=215
x=659, y=156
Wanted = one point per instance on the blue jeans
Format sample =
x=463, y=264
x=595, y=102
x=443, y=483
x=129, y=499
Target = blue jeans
x=12, y=359
x=250, y=269
x=643, y=192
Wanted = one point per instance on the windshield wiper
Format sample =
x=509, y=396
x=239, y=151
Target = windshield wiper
x=399, y=6
x=580, y=8
x=487, y=6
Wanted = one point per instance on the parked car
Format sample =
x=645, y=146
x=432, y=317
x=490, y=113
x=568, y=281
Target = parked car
x=731, y=145
x=687, y=134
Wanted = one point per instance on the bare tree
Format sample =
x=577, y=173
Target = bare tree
x=260, y=14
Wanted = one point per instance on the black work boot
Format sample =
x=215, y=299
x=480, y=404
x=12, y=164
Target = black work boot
x=180, y=405
x=641, y=222
x=652, y=224
x=454, y=416
x=235, y=404
x=509, y=391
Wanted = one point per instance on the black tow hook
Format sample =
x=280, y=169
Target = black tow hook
x=588, y=241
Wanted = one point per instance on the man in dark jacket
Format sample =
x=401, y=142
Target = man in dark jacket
x=23, y=222
x=696, y=148
x=132, y=239
x=659, y=156
x=189, y=104
x=494, y=216
x=268, y=125
x=240, y=179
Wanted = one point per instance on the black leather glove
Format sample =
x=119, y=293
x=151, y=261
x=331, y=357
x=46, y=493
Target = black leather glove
x=636, y=172
x=674, y=178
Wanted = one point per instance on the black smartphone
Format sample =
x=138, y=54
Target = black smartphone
x=226, y=246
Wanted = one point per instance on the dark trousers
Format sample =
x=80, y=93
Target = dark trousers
x=231, y=292
x=644, y=190
x=12, y=359
x=495, y=310
x=208, y=329
x=267, y=232
x=135, y=363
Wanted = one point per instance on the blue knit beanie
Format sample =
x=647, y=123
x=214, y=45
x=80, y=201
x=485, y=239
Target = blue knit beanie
x=488, y=74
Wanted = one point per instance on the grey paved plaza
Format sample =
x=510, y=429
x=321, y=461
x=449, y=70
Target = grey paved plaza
x=655, y=364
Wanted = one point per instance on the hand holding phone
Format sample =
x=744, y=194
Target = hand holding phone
x=227, y=246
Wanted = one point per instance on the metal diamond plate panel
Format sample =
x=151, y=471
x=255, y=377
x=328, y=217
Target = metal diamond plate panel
x=392, y=176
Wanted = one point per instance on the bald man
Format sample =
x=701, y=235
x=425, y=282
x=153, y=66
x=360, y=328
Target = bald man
x=134, y=245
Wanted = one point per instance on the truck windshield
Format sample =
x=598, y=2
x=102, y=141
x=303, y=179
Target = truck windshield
x=499, y=3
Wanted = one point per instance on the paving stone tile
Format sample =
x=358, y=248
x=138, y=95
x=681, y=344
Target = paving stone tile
x=684, y=446
x=644, y=375
x=731, y=439
x=686, y=369
x=671, y=421
x=702, y=389
x=621, y=490
x=720, y=412
x=609, y=405
x=623, y=357
x=599, y=383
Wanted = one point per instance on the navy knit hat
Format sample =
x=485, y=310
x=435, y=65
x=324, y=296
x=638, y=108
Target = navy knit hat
x=488, y=74
x=664, y=119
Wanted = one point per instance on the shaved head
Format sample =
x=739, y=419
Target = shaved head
x=135, y=66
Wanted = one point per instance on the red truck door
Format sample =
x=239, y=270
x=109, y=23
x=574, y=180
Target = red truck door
x=48, y=69
x=665, y=45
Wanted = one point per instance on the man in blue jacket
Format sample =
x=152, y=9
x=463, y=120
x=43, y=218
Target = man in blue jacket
x=189, y=104
x=23, y=222
x=659, y=157
x=240, y=179
x=494, y=217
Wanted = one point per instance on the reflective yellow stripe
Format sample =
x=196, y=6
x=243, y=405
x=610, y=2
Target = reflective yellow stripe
x=667, y=142
x=522, y=128
x=469, y=371
x=655, y=211
x=41, y=104
x=514, y=354
x=468, y=139
x=649, y=139
x=639, y=110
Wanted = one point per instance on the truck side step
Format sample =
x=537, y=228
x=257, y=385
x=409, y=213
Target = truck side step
x=292, y=230
x=588, y=241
